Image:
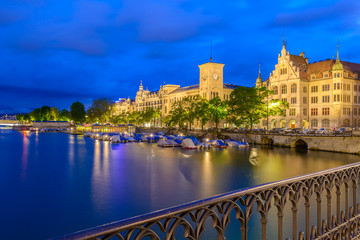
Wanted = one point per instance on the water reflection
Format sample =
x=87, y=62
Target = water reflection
x=93, y=182
x=101, y=188
x=24, y=156
x=71, y=150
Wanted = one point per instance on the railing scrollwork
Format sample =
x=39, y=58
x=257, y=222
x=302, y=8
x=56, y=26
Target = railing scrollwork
x=334, y=190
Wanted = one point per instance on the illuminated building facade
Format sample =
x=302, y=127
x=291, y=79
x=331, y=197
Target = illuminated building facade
x=210, y=86
x=323, y=94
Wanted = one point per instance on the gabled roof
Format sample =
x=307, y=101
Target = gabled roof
x=319, y=67
x=327, y=65
x=230, y=86
x=183, y=89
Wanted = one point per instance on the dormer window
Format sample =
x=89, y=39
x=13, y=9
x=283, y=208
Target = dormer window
x=326, y=75
x=312, y=77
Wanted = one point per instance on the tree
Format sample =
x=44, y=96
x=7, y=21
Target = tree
x=168, y=121
x=54, y=114
x=122, y=118
x=27, y=117
x=35, y=115
x=150, y=114
x=189, y=107
x=135, y=118
x=64, y=115
x=248, y=105
x=100, y=110
x=77, y=112
x=202, y=112
x=45, y=113
x=176, y=113
x=20, y=117
x=217, y=110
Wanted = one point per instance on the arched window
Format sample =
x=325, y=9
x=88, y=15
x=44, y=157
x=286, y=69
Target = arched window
x=314, y=123
x=338, y=75
x=284, y=89
x=293, y=88
x=276, y=91
x=326, y=123
x=346, y=123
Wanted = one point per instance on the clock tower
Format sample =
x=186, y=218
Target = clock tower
x=211, y=82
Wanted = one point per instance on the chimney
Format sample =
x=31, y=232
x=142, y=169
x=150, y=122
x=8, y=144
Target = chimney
x=307, y=60
x=302, y=54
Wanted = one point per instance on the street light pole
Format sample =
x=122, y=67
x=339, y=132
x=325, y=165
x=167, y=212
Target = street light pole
x=267, y=115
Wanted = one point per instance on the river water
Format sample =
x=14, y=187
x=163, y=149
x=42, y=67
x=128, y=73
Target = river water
x=53, y=183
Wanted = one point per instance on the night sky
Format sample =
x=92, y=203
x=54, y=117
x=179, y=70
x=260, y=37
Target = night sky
x=60, y=51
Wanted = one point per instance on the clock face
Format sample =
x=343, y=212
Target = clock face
x=215, y=76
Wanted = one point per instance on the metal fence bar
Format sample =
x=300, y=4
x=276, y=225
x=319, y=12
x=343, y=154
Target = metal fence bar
x=192, y=216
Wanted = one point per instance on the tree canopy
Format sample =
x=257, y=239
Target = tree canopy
x=77, y=112
x=248, y=105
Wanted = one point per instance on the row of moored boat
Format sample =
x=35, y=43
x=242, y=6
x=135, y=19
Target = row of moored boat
x=162, y=140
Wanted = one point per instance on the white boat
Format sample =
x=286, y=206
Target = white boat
x=167, y=143
x=188, y=144
x=115, y=138
x=204, y=145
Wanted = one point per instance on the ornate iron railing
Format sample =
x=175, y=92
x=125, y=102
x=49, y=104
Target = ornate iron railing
x=338, y=185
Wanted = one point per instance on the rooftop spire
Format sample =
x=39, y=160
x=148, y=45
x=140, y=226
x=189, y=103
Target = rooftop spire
x=211, y=51
x=284, y=42
x=259, y=79
x=337, y=65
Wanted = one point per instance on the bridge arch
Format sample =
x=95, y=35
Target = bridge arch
x=267, y=141
x=273, y=123
x=299, y=144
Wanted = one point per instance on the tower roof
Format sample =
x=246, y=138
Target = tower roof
x=337, y=65
x=259, y=79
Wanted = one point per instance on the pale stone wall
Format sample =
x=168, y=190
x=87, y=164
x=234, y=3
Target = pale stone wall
x=324, y=143
x=51, y=124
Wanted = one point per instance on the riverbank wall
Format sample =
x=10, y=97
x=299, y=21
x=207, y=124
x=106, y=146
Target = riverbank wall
x=342, y=144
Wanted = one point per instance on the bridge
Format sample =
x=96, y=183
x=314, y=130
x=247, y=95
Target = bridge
x=322, y=206
x=10, y=122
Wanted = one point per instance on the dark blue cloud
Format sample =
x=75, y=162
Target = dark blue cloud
x=60, y=51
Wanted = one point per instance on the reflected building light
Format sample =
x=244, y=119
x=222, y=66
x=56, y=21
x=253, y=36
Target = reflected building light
x=24, y=157
x=71, y=150
x=100, y=181
x=254, y=158
x=208, y=176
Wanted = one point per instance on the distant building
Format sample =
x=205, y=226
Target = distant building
x=320, y=94
x=210, y=86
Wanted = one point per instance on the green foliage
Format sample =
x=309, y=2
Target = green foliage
x=27, y=117
x=20, y=117
x=35, y=115
x=54, y=114
x=45, y=113
x=217, y=110
x=119, y=119
x=64, y=115
x=77, y=112
x=100, y=110
x=202, y=111
x=248, y=105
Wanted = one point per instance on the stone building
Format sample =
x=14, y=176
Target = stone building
x=320, y=94
x=211, y=84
